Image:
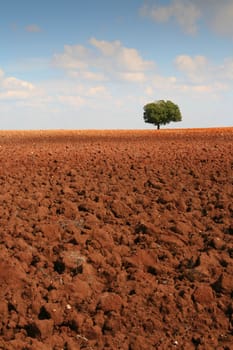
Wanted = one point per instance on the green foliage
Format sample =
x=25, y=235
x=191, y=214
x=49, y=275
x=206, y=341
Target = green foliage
x=161, y=112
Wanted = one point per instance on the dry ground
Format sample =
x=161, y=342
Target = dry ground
x=116, y=240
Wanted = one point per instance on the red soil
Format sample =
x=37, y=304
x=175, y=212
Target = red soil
x=116, y=240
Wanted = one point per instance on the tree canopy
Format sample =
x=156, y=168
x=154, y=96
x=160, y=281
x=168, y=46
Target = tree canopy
x=161, y=112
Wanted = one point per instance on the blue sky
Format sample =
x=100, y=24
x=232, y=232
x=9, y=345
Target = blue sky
x=70, y=64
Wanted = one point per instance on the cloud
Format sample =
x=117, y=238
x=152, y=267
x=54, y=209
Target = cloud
x=195, y=77
x=102, y=61
x=14, y=95
x=217, y=15
x=196, y=68
x=110, y=62
x=17, y=84
x=107, y=48
x=162, y=85
x=75, y=95
x=33, y=28
x=74, y=58
x=135, y=77
x=123, y=58
x=87, y=75
x=199, y=70
x=226, y=69
x=72, y=101
x=98, y=90
x=18, y=94
x=12, y=88
x=1, y=74
x=164, y=82
x=184, y=12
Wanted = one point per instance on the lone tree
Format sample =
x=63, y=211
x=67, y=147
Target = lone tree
x=161, y=112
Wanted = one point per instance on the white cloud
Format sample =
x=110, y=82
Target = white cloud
x=130, y=60
x=187, y=14
x=107, y=48
x=204, y=88
x=73, y=58
x=99, y=90
x=196, y=76
x=87, y=75
x=17, y=84
x=149, y=91
x=33, y=28
x=104, y=60
x=68, y=93
x=198, y=70
x=17, y=94
x=135, y=77
x=184, y=12
x=123, y=58
x=220, y=16
x=14, y=95
x=73, y=101
x=107, y=62
x=226, y=69
x=159, y=83
x=12, y=88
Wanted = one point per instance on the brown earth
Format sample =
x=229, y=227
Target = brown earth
x=116, y=240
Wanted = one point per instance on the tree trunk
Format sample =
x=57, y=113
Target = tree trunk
x=158, y=126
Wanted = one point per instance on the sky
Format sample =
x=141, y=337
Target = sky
x=94, y=64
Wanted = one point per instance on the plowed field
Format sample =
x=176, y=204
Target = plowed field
x=116, y=240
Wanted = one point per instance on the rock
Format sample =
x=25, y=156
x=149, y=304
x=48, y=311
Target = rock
x=120, y=209
x=110, y=302
x=56, y=312
x=93, y=332
x=182, y=228
x=80, y=290
x=45, y=328
x=73, y=259
x=203, y=295
x=223, y=284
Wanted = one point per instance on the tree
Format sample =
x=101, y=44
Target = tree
x=161, y=112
